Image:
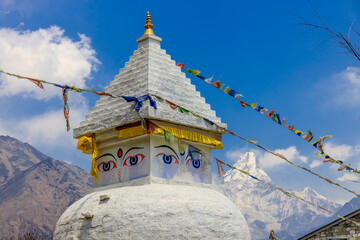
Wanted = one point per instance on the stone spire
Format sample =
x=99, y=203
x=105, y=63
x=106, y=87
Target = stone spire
x=149, y=71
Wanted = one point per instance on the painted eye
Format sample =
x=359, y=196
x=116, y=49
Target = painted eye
x=194, y=163
x=133, y=160
x=167, y=159
x=106, y=166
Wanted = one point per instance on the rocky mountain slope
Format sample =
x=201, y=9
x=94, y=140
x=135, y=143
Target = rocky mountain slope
x=35, y=189
x=349, y=207
x=15, y=157
x=266, y=208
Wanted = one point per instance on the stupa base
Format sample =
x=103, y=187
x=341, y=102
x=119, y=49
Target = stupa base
x=153, y=211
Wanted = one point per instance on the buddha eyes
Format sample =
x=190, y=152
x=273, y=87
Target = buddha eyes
x=193, y=163
x=106, y=166
x=133, y=160
x=167, y=159
x=171, y=159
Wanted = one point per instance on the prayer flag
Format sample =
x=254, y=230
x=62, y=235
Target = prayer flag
x=182, y=66
x=169, y=137
x=172, y=105
x=36, y=82
x=208, y=80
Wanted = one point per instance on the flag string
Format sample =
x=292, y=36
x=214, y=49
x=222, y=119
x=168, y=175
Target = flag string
x=318, y=144
x=174, y=106
x=220, y=163
x=66, y=88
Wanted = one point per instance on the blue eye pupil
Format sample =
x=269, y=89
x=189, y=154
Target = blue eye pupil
x=167, y=159
x=196, y=163
x=106, y=166
x=133, y=160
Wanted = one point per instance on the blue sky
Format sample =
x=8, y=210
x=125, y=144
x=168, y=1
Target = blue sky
x=255, y=47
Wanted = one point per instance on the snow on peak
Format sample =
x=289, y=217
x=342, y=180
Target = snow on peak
x=247, y=160
x=308, y=190
x=311, y=192
x=249, y=163
x=266, y=208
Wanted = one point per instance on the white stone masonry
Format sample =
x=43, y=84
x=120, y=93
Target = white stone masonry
x=150, y=70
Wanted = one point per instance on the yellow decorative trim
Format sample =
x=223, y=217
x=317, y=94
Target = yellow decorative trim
x=179, y=133
x=191, y=136
x=93, y=150
x=130, y=132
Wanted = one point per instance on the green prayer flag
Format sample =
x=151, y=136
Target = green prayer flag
x=183, y=110
x=273, y=117
x=169, y=137
x=286, y=193
x=195, y=72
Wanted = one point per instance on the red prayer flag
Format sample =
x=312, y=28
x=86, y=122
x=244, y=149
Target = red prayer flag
x=151, y=127
x=242, y=103
x=270, y=113
x=232, y=133
x=220, y=167
x=216, y=84
x=181, y=65
x=172, y=105
x=36, y=81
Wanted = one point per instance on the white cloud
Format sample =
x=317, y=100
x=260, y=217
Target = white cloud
x=44, y=54
x=341, y=152
x=49, y=55
x=268, y=160
x=348, y=177
x=345, y=88
x=316, y=163
x=48, y=129
x=234, y=155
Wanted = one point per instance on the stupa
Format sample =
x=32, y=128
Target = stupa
x=151, y=158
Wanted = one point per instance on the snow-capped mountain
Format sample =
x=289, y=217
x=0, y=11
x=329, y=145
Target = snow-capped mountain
x=266, y=208
x=349, y=207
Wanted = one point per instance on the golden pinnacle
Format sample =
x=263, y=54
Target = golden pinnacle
x=148, y=26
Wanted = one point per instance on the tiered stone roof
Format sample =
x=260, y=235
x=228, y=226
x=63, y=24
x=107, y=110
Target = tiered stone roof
x=149, y=71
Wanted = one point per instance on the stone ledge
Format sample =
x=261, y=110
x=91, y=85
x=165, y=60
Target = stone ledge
x=153, y=180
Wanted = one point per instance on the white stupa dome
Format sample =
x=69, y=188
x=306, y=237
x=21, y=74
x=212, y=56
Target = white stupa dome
x=153, y=211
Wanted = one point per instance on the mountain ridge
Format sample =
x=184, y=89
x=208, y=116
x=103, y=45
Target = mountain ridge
x=35, y=197
x=14, y=161
x=266, y=208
